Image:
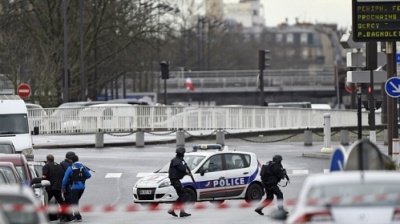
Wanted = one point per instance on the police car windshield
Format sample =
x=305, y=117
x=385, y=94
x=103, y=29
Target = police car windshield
x=192, y=161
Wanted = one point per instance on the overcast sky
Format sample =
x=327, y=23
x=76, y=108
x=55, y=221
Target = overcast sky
x=321, y=11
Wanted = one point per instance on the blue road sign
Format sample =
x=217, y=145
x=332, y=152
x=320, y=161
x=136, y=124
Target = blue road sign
x=337, y=159
x=392, y=87
x=397, y=58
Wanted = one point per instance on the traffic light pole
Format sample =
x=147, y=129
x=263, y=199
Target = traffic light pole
x=262, y=94
x=359, y=117
x=390, y=49
x=372, y=128
x=263, y=58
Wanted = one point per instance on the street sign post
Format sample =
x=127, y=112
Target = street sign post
x=392, y=87
x=24, y=90
x=338, y=159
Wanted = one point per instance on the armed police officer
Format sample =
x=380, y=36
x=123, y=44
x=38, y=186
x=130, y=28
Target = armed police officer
x=271, y=174
x=177, y=170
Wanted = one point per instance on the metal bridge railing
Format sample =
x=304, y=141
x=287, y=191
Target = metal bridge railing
x=132, y=118
x=247, y=80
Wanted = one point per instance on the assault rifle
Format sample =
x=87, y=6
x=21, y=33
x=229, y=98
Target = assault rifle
x=286, y=176
x=90, y=169
x=190, y=174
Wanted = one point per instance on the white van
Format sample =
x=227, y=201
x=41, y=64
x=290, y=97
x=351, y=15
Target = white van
x=14, y=125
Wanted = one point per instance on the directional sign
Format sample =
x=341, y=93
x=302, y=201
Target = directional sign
x=392, y=87
x=24, y=90
x=338, y=159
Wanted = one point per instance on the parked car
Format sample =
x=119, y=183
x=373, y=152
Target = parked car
x=7, y=147
x=65, y=116
x=36, y=168
x=349, y=197
x=10, y=172
x=22, y=195
x=129, y=101
x=115, y=116
x=27, y=174
x=220, y=174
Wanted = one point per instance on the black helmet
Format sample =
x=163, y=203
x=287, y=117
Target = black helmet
x=180, y=150
x=69, y=155
x=277, y=158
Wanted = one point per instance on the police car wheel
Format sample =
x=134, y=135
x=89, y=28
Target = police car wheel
x=254, y=192
x=192, y=195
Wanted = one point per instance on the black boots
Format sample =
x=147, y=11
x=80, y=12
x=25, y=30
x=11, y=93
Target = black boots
x=259, y=211
x=184, y=214
x=172, y=212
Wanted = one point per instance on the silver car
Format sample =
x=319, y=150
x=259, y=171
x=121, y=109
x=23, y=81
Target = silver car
x=349, y=197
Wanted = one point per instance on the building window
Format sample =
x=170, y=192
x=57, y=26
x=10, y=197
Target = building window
x=303, y=38
x=255, y=12
x=279, y=37
x=290, y=38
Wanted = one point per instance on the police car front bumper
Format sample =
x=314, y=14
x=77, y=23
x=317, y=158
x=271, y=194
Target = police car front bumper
x=154, y=195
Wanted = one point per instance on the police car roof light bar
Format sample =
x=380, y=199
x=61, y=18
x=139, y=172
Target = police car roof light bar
x=207, y=147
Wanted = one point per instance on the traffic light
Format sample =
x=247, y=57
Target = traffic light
x=164, y=69
x=263, y=59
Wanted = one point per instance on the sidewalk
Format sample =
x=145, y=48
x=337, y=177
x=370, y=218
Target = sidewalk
x=88, y=141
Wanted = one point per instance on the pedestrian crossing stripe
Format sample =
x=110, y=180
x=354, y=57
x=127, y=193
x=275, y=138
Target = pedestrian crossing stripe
x=113, y=175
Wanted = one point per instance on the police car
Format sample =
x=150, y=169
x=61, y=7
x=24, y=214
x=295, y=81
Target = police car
x=219, y=174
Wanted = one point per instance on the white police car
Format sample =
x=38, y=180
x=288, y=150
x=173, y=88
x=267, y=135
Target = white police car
x=219, y=174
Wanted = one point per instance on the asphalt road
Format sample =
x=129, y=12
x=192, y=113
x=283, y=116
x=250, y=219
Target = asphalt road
x=116, y=169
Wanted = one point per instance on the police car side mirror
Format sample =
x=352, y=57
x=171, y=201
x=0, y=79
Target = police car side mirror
x=202, y=171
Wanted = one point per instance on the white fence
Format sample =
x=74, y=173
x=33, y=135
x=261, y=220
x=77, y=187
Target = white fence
x=132, y=118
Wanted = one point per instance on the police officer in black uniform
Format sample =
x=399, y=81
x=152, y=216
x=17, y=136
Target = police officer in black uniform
x=177, y=170
x=275, y=174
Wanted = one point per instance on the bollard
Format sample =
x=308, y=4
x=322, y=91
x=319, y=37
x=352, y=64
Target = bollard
x=385, y=137
x=180, y=138
x=139, y=138
x=99, y=139
x=308, y=137
x=220, y=137
x=344, y=137
x=327, y=134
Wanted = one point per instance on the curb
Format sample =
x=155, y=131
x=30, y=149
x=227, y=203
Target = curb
x=318, y=155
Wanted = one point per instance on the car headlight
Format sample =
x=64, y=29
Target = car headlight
x=27, y=151
x=166, y=183
x=137, y=182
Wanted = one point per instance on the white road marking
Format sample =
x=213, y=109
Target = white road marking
x=113, y=175
x=299, y=172
x=327, y=171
